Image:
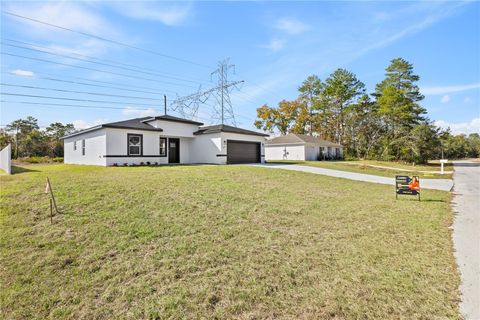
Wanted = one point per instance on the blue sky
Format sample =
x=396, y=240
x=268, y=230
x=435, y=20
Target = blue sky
x=274, y=45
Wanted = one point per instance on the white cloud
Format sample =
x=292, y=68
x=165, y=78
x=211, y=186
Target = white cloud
x=445, y=99
x=77, y=16
x=472, y=126
x=23, y=73
x=410, y=28
x=168, y=14
x=66, y=14
x=448, y=89
x=90, y=47
x=291, y=26
x=139, y=113
x=274, y=45
x=82, y=124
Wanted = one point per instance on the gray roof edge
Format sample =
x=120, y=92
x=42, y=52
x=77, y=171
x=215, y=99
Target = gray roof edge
x=286, y=143
x=210, y=130
x=82, y=131
x=110, y=126
x=175, y=119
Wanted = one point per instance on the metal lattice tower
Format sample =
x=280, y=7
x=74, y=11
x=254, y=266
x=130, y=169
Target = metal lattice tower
x=223, y=107
x=188, y=105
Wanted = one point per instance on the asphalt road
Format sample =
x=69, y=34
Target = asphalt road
x=466, y=234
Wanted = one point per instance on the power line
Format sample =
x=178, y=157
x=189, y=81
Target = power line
x=78, y=92
x=107, y=40
x=119, y=86
x=58, y=105
x=93, y=69
x=70, y=105
x=72, y=99
x=93, y=85
x=88, y=60
x=102, y=59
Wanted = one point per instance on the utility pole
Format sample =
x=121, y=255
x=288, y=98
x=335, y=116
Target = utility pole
x=165, y=103
x=222, y=80
x=16, y=143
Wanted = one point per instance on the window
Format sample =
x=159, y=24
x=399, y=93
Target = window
x=83, y=147
x=163, y=147
x=75, y=145
x=134, y=142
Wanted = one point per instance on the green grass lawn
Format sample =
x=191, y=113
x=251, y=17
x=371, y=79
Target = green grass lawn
x=221, y=242
x=368, y=167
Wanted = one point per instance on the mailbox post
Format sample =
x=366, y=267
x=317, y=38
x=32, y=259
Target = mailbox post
x=442, y=162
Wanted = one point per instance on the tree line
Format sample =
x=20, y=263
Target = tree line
x=28, y=140
x=389, y=124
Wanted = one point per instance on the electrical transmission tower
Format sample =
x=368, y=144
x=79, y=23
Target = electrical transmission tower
x=223, y=107
x=188, y=105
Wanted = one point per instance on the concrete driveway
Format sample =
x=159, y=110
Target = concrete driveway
x=466, y=235
x=438, y=184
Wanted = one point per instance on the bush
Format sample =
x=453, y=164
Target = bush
x=141, y=163
x=148, y=163
x=125, y=164
x=58, y=159
x=35, y=159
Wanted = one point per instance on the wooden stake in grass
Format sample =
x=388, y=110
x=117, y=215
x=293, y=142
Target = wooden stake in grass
x=51, y=211
x=48, y=188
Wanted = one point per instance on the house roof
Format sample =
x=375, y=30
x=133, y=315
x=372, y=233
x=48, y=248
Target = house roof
x=292, y=138
x=137, y=124
x=174, y=119
x=227, y=128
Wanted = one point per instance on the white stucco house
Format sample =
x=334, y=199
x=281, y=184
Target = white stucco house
x=301, y=147
x=163, y=139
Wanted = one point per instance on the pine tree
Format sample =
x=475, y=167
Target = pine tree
x=398, y=98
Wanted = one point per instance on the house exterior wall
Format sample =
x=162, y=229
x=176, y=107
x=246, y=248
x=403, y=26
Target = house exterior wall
x=308, y=152
x=117, y=147
x=285, y=152
x=109, y=146
x=174, y=128
x=204, y=148
x=212, y=147
x=312, y=151
x=242, y=137
x=95, y=148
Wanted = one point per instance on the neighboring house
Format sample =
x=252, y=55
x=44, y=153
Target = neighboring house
x=301, y=147
x=163, y=139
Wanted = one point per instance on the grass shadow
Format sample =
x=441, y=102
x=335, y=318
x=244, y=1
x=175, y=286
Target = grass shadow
x=18, y=170
x=421, y=200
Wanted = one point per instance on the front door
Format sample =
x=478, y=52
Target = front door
x=173, y=150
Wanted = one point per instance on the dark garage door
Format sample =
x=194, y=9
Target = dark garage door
x=243, y=151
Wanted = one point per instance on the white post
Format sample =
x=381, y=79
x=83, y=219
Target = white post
x=442, y=162
x=6, y=159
